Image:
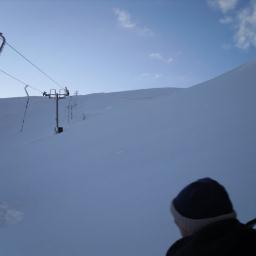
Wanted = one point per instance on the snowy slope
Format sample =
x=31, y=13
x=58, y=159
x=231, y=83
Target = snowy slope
x=103, y=187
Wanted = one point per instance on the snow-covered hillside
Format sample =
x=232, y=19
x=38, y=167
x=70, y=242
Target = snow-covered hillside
x=103, y=187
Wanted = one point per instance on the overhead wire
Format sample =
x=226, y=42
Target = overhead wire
x=19, y=80
x=35, y=66
x=25, y=84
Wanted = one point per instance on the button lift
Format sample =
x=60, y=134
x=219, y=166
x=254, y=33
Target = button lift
x=63, y=93
x=2, y=42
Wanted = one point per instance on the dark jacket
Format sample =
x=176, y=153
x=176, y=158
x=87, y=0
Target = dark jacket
x=228, y=237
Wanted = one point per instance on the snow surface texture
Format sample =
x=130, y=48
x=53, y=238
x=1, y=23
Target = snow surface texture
x=104, y=186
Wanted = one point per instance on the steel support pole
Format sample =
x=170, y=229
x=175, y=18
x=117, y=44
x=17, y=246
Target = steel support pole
x=57, y=113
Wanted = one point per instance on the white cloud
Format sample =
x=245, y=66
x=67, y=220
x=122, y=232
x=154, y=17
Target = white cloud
x=223, y=5
x=151, y=75
x=226, y=20
x=226, y=46
x=145, y=31
x=8, y=215
x=243, y=22
x=125, y=21
x=245, y=35
x=144, y=75
x=156, y=76
x=158, y=56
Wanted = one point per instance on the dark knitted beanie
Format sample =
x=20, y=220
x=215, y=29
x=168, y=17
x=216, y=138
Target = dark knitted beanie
x=204, y=198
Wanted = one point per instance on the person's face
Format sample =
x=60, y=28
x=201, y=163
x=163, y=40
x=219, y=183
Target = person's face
x=183, y=230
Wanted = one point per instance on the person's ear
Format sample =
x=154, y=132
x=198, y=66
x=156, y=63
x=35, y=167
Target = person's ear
x=184, y=231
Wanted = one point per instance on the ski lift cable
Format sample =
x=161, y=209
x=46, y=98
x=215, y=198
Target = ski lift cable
x=19, y=80
x=34, y=65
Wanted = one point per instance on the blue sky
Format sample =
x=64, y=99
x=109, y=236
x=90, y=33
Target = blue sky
x=104, y=46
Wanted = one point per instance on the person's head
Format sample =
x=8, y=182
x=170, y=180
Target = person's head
x=202, y=202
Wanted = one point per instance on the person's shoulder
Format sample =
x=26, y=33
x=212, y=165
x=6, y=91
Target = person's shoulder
x=177, y=246
x=246, y=234
x=230, y=236
x=244, y=240
x=222, y=238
